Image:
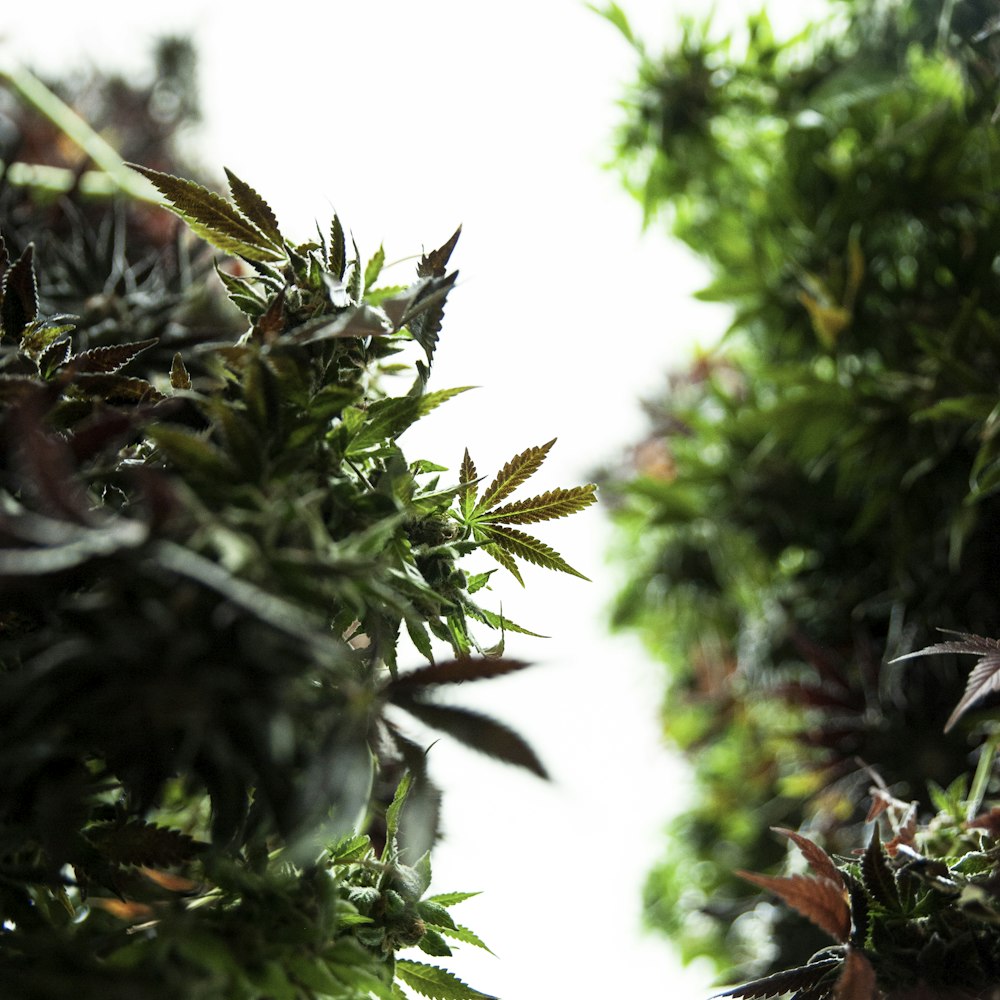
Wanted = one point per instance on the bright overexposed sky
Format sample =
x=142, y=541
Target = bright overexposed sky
x=408, y=118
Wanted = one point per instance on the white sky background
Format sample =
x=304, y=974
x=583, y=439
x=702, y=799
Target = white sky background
x=409, y=118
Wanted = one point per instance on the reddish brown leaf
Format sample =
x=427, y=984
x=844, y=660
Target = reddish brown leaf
x=819, y=861
x=990, y=822
x=857, y=980
x=818, y=899
x=108, y=360
x=433, y=264
x=906, y=831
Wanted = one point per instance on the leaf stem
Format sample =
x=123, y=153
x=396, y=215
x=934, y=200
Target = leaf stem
x=984, y=769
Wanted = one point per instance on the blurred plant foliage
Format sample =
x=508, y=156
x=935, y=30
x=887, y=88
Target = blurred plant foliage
x=211, y=544
x=819, y=492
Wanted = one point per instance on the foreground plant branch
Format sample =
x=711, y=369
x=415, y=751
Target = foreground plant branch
x=211, y=546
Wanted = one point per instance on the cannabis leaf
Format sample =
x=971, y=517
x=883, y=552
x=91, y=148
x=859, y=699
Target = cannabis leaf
x=877, y=875
x=857, y=980
x=820, y=898
x=489, y=524
x=818, y=860
x=246, y=229
x=430, y=981
x=817, y=899
x=805, y=978
x=985, y=676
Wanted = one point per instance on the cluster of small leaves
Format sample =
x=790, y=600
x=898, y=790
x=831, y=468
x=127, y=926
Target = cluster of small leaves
x=207, y=562
x=819, y=492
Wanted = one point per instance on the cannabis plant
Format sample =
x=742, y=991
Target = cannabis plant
x=213, y=551
x=818, y=493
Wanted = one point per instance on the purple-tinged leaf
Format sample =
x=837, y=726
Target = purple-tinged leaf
x=807, y=977
x=19, y=294
x=985, y=676
x=108, y=360
x=433, y=264
x=114, y=388
x=877, y=875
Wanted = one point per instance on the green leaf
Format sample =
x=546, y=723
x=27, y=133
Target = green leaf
x=512, y=475
x=389, y=418
x=545, y=506
x=496, y=621
x=451, y=898
x=350, y=848
x=374, y=268
x=463, y=934
x=433, y=944
x=468, y=477
x=179, y=377
x=500, y=555
x=253, y=206
x=337, y=253
x=527, y=547
x=191, y=452
x=420, y=638
x=430, y=981
x=212, y=217
x=394, y=810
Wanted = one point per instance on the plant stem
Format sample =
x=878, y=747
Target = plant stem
x=104, y=156
x=984, y=769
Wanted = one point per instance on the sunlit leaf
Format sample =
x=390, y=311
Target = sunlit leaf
x=430, y=981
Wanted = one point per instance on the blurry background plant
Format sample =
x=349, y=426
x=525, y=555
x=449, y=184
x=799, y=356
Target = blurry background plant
x=210, y=545
x=818, y=493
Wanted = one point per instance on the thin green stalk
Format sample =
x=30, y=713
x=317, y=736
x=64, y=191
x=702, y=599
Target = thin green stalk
x=104, y=156
x=984, y=769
